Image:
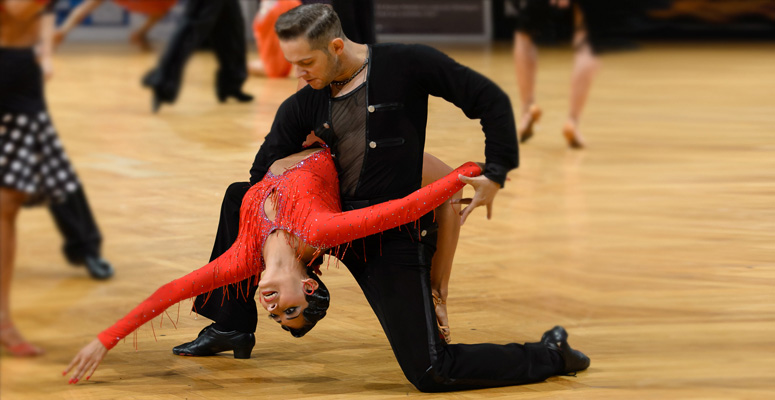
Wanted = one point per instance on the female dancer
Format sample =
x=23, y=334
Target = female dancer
x=271, y=62
x=286, y=221
x=536, y=18
x=154, y=11
x=33, y=165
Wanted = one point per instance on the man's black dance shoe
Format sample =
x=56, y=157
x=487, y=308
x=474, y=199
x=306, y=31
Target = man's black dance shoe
x=227, y=85
x=98, y=267
x=238, y=95
x=211, y=341
x=152, y=81
x=557, y=339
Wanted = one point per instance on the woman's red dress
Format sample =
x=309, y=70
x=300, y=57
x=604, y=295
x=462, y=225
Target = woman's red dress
x=306, y=198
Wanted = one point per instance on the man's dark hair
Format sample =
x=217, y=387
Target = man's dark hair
x=318, y=23
x=317, y=304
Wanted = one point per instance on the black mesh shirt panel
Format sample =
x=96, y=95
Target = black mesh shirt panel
x=348, y=120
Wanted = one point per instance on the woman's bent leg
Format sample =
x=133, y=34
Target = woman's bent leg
x=10, y=203
x=447, y=216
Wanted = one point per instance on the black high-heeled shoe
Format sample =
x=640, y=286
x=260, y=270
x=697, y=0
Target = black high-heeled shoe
x=557, y=339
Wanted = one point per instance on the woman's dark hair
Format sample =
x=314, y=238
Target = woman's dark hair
x=317, y=304
x=318, y=23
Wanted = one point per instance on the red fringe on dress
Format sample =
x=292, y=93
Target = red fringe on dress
x=308, y=206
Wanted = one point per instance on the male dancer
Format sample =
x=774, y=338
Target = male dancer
x=370, y=103
x=221, y=22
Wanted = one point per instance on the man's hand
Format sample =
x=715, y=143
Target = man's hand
x=485, y=191
x=87, y=360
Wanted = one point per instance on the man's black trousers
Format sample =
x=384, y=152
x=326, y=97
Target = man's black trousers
x=219, y=22
x=76, y=223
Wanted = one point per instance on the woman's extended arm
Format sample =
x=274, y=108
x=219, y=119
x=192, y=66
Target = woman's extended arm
x=75, y=18
x=46, y=45
x=329, y=230
x=237, y=264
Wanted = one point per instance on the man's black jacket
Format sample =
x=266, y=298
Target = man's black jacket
x=400, y=78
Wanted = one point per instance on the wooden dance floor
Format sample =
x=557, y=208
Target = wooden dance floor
x=655, y=247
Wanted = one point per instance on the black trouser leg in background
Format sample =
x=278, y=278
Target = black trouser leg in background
x=75, y=221
x=234, y=312
x=230, y=47
x=400, y=295
x=196, y=25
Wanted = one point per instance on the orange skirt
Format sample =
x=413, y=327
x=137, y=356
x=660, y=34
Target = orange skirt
x=272, y=57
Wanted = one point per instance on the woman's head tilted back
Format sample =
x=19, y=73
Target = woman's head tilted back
x=288, y=288
x=317, y=305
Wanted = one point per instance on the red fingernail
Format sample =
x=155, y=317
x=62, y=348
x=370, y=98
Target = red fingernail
x=70, y=381
x=87, y=378
x=76, y=380
x=63, y=373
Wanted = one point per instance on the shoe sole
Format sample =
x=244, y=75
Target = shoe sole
x=237, y=355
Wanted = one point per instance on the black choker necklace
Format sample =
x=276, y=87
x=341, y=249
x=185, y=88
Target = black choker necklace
x=346, y=81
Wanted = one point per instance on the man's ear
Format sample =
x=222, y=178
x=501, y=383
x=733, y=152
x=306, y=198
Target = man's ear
x=336, y=46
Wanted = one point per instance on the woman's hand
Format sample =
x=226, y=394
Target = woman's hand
x=485, y=191
x=57, y=39
x=86, y=361
x=47, y=66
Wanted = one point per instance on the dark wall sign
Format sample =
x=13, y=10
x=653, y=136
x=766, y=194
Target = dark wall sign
x=453, y=18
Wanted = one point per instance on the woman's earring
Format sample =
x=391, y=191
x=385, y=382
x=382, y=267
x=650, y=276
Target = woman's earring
x=309, y=290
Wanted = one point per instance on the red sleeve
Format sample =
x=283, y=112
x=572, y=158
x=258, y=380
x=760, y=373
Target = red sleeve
x=242, y=260
x=237, y=264
x=329, y=230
